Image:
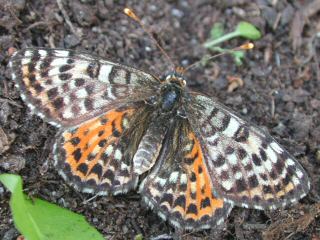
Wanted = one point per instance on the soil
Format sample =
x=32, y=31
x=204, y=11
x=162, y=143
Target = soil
x=280, y=93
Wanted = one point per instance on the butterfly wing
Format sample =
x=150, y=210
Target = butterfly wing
x=247, y=166
x=67, y=88
x=96, y=156
x=98, y=104
x=179, y=187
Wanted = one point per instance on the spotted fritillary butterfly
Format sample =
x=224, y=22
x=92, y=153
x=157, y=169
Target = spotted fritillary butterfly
x=191, y=158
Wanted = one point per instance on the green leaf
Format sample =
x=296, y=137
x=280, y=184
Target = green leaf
x=238, y=56
x=243, y=29
x=217, y=30
x=247, y=30
x=38, y=219
x=138, y=237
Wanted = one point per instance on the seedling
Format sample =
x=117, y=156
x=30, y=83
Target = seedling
x=243, y=29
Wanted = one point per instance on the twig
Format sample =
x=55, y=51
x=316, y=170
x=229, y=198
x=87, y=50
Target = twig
x=13, y=14
x=90, y=199
x=36, y=24
x=316, y=59
x=254, y=226
x=67, y=19
x=11, y=102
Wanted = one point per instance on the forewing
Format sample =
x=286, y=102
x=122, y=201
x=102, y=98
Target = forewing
x=247, y=166
x=67, y=88
x=96, y=156
x=179, y=188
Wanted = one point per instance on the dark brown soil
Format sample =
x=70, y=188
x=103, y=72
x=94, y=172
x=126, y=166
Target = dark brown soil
x=281, y=93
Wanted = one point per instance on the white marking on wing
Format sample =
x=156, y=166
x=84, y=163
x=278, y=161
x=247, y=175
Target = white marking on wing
x=104, y=73
x=232, y=128
x=61, y=53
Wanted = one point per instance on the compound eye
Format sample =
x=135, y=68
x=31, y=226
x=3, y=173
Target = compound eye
x=164, y=88
x=169, y=77
x=184, y=82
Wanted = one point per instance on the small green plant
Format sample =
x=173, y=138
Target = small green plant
x=138, y=237
x=38, y=219
x=217, y=36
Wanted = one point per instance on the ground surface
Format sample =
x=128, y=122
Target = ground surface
x=280, y=93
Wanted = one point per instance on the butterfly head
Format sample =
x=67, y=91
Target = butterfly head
x=176, y=78
x=171, y=92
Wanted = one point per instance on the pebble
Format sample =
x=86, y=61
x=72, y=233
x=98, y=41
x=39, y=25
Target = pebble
x=177, y=13
x=71, y=41
x=18, y=4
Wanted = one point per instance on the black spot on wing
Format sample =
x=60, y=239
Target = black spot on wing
x=44, y=74
x=38, y=87
x=242, y=153
x=193, y=177
x=52, y=93
x=225, y=122
x=167, y=198
x=101, y=133
x=93, y=69
x=97, y=169
x=79, y=82
x=113, y=74
x=32, y=78
x=83, y=168
x=263, y=154
x=267, y=189
x=66, y=87
x=128, y=77
x=109, y=175
x=75, y=141
x=89, y=89
x=279, y=165
x=241, y=185
x=77, y=154
x=35, y=56
x=205, y=202
x=242, y=134
x=65, y=76
x=65, y=68
x=31, y=67
x=46, y=63
x=190, y=161
x=102, y=142
x=229, y=150
x=180, y=201
x=192, y=208
x=58, y=103
x=88, y=103
x=219, y=161
x=70, y=60
x=256, y=160
x=253, y=181
x=115, y=131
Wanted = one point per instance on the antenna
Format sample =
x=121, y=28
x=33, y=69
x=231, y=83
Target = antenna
x=245, y=46
x=130, y=13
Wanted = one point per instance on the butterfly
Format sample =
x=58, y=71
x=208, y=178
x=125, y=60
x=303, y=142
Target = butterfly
x=120, y=129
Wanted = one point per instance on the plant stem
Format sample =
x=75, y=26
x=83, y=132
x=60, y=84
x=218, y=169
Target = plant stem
x=221, y=39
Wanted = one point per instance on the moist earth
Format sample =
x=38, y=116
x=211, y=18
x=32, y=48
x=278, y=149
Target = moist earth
x=276, y=88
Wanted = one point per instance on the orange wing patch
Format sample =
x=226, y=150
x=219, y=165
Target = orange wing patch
x=200, y=201
x=92, y=154
x=201, y=209
x=184, y=195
